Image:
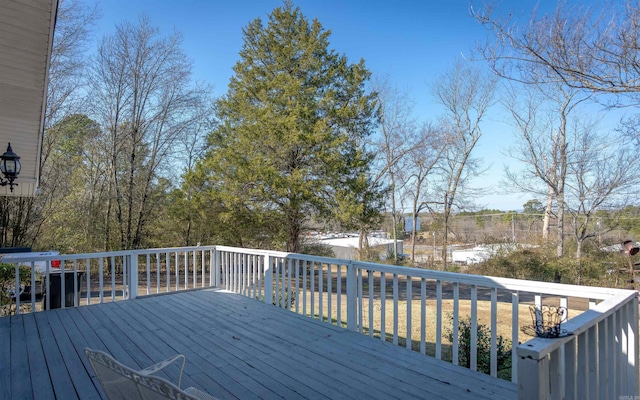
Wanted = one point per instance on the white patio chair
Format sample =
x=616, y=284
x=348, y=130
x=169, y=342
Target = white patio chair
x=121, y=382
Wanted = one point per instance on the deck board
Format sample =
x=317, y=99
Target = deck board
x=236, y=348
x=5, y=359
x=37, y=362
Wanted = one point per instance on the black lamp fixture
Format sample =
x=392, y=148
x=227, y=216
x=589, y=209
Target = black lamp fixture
x=10, y=168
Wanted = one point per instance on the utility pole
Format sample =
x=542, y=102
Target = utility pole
x=433, y=260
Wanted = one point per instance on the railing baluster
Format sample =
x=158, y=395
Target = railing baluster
x=148, y=268
x=602, y=369
x=47, y=305
x=569, y=365
x=582, y=363
x=167, y=268
x=158, y=273
x=320, y=292
x=289, y=272
x=76, y=291
x=202, y=262
x=339, y=293
x=33, y=286
x=515, y=331
x=383, y=307
x=473, y=362
x=423, y=316
x=132, y=262
x=186, y=270
x=176, y=260
x=329, y=294
x=592, y=362
x=297, y=264
x=439, y=319
x=634, y=370
x=556, y=373
x=305, y=266
x=370, y=283
x=621, y=358
x=395, y=309
x=100, y=281
x=125, y=274
x=359, y=301
x=494, y=331
x=455, y=328
x=88, y=267
x=275, y=268
x=313, y=291
x=16, y=287
x=351, y=297
x=62, y=285
x=112, y=260
x=408, y=341
x=612, y=353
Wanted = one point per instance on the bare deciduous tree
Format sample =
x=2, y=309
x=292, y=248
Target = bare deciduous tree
x=466, y=94
x=421, y=164
x=145, y=101
x=397, y=138
x=582, y=46
x=604, y=174
x=542, y=120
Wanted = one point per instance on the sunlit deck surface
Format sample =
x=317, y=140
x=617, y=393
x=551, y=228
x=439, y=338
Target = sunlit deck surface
x=236, y=348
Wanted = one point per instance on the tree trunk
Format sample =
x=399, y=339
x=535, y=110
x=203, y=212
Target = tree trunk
x=561, y=224
x=394, y=216
x=546, y=226
x=445, y=234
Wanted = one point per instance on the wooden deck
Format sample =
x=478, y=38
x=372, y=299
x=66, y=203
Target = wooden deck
x=236, y=348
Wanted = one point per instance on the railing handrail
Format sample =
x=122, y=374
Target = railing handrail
x=549, y=288
x=487, y=281
x=104, y=254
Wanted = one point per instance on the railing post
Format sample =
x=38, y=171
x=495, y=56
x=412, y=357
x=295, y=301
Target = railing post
x=268, y=280
x=352, y=303
x=133, y=280
x=214, y=268
x=635, y=352
x=533, y=378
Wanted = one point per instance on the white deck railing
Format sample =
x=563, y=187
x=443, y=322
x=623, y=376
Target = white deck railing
x=411, y=307
x=111, y=276
x=599, y=360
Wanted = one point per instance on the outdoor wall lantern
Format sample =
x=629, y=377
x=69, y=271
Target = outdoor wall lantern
x=10, y=167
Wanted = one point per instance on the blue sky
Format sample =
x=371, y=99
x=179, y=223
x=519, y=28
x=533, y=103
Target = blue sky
x=410, y=41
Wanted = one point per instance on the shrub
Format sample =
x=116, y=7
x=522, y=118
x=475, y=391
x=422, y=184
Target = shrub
x=281, y=300
x=7, y=286
x=483, y=334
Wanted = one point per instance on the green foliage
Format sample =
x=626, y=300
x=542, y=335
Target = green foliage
x=542, y=264
x=533, y=207
x=281, y=299
x=525, y=263
x=629, y=218
x=8, y=283
x=483, y=340
x=317, y=249
x=288, y=143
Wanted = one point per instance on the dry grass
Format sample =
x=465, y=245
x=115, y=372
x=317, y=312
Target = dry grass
x=503, y=323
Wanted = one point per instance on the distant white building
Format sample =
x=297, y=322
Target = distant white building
x=347, y=247
x=482, y=252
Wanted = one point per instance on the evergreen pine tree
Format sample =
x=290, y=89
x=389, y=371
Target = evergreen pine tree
x=290, y=131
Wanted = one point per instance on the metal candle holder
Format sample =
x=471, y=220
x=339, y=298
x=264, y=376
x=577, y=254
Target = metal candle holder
x=547, y=322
